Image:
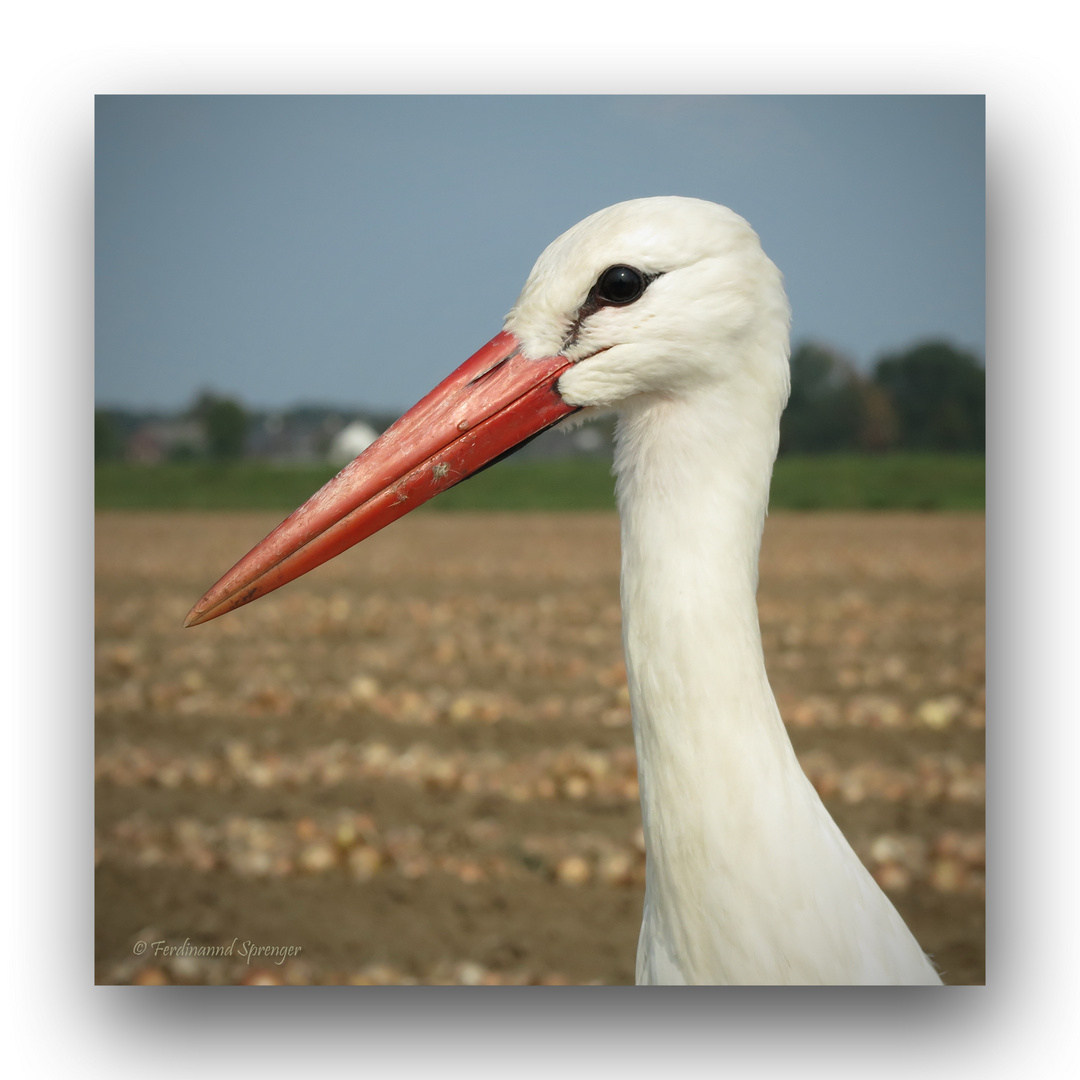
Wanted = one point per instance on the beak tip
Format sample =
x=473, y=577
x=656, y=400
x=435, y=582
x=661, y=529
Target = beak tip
x=194, y=617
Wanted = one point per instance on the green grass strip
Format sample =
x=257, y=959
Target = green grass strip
x=833, y=482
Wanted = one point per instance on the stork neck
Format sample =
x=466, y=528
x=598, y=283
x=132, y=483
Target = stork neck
x=693, y=482
x=748, y=879
x=693, y=487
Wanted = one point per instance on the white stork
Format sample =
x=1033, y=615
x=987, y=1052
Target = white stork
x=668, y=312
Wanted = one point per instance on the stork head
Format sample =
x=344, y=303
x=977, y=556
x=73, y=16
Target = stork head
x=655, y=296
x=662, y=296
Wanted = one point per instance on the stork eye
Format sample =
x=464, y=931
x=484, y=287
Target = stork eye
x=620, y=285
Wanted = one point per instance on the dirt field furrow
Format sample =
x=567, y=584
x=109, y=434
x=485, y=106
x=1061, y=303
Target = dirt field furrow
x=416, y=764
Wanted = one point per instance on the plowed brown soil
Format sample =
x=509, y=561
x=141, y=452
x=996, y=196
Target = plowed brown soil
x=416, y=764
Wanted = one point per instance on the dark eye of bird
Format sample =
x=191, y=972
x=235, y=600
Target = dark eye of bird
x=620, y=285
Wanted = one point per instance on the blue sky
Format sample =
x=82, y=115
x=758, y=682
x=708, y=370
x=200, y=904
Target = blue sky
x=352, y=250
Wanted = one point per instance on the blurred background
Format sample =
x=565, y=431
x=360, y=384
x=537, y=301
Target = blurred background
x=416, y=763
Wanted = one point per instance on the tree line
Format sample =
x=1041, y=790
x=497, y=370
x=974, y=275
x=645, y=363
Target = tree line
x=930, y=397
x=216, y=427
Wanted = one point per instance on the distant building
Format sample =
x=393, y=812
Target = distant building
x=588, y=440
x=593, y=440
x=350, y=441
x=297, y=437
x=155, y=441
x=311, y=435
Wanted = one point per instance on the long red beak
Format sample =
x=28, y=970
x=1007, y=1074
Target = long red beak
x=492, y=404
